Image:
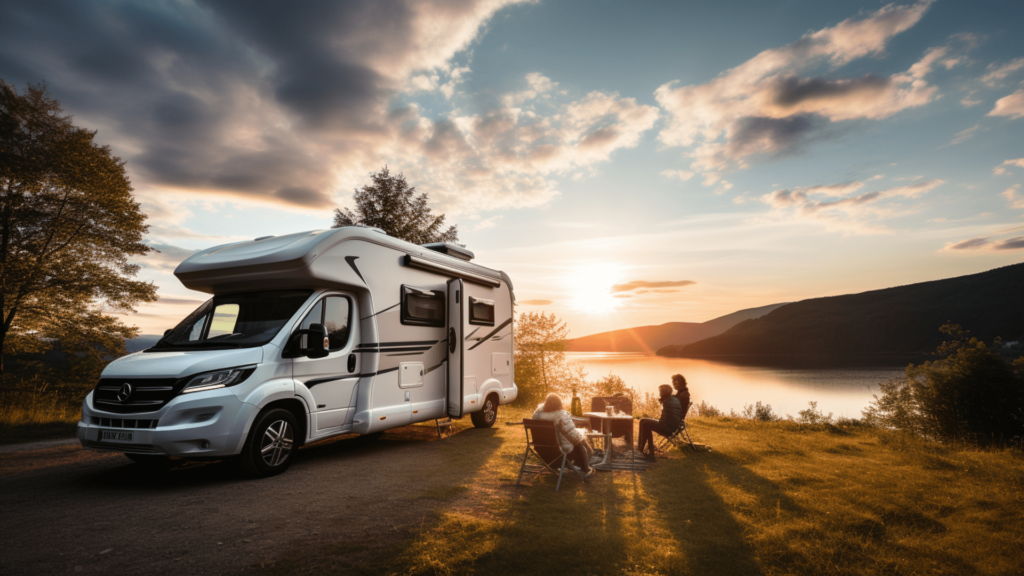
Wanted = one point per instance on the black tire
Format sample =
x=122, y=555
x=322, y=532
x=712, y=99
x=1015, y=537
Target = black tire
x=488, y=413
x=150, y=460
x=271, y=445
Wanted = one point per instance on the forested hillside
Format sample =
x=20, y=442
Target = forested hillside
x=650, y=338
x=901, y=321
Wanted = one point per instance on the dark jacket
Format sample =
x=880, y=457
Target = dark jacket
x=671, y=413
x=684, y=400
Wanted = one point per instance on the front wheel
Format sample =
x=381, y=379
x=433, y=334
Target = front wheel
x=270, y=447
x=487, y=415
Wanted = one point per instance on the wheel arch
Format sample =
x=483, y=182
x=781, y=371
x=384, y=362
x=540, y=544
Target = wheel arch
x=298, y=409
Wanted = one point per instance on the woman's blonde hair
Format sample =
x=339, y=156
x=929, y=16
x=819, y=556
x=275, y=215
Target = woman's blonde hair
x=552, y=403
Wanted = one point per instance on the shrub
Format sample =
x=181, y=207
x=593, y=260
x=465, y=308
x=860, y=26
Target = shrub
x=705, y=410
x=813, y=416
x=971, y=392
x=759, y=412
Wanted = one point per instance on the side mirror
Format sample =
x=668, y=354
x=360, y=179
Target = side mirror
x=317, y=343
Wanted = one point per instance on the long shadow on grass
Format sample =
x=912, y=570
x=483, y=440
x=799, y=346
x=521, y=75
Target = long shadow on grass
x=711, y=538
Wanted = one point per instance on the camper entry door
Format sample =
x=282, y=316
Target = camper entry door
x=456, y=327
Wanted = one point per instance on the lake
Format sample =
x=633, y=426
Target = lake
x=842, y=391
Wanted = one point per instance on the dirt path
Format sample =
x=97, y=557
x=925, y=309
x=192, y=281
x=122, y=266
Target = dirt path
x=67, y=510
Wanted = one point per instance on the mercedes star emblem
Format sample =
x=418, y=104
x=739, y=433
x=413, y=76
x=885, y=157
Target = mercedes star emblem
x=124, y=392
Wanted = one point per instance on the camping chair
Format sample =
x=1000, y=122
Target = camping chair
x=676, y=438
x=542, y=442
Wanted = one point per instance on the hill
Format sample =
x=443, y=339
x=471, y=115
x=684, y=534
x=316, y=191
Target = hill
x=895, y=322
x=650, y=338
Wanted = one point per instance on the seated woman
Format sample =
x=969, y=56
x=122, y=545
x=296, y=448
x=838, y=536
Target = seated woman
x=671, y=418
x=682, y=392
x=570, y=439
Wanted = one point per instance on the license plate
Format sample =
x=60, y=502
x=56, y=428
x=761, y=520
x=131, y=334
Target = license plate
x=112, y=436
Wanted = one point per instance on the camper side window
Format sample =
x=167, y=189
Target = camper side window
x=333, y=312
x=481, y=312
x=421, y=307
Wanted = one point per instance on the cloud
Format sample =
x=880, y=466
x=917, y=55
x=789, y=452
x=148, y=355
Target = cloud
x=286, y=104
x=987, y=244
x=1002, y=169
x=165, y=256
x=681, y=174
x=964, y=135
x=535, y=302
x=1012, y=106
x=1012, y=194
x=764, y=107
x=997, y=73
x=842, y=206
x=487, y=223
x=633, y=285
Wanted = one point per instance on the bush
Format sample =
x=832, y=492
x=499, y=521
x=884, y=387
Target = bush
x=972, y=392
x=759, y=412
x=705, y=410
x=813, y=416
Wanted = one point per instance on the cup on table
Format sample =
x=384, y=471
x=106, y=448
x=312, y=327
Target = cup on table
x=610, y=410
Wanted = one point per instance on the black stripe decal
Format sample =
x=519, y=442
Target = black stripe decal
x=385, y=344
x=385, y=350
x=312, y=383
x=381, y=312
x=352, y=262
x=492, y=333
x=432, y=368
x=407, y=354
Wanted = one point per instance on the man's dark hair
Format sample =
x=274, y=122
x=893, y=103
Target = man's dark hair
x=678, y=381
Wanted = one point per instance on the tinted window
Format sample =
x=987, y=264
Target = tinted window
x=421, y=307
x=235, y=320
x=481, y=312
x=336, y=317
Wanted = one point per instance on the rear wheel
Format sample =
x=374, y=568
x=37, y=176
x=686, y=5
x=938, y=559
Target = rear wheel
x=270, y=447
x=487, y=415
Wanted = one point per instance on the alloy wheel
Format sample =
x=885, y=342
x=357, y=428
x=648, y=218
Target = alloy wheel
x=277, y=443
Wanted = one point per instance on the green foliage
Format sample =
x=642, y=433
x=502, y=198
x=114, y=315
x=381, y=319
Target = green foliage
x=759, y=412
x=813, y=416
x=393, y=206
x=705, y=410
x=68, y=226
x=971, y=392
x=540, y=363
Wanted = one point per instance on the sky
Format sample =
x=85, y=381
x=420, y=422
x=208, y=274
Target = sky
x=627, y=163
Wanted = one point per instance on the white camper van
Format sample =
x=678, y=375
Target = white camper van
x=309, y=336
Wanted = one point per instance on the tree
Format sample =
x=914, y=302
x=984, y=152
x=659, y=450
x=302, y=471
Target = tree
x=68, y=225
x=393, y=206
x=972, y=391
x=541, y=342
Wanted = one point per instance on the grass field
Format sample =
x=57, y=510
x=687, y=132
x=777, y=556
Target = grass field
x=30, y=413
x=770, y=498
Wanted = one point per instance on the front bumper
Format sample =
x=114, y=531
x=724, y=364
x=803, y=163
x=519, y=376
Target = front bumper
x=204, y=424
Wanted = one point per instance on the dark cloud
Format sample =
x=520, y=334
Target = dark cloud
x=535, y=302
x=971, y=244
x=258, y=99
x=792, y=91
x=633, y=285
x=753, y=134
x=1010, y=244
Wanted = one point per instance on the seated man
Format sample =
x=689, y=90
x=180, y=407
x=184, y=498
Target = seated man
x=571, y=440
x=682, y=392
x=671, y=418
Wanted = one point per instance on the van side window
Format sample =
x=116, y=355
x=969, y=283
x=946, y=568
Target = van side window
x=422, y=307
x=336, y=319
x=481, y=312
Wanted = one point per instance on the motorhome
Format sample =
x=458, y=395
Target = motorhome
x=308, y=336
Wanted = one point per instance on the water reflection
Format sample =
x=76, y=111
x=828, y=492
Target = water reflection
x=842, y=391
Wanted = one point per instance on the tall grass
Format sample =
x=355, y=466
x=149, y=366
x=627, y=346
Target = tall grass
x=34, y=409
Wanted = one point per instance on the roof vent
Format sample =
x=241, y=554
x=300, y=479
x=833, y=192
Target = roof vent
x=453, y=250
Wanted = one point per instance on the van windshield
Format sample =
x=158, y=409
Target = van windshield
x=238, y=320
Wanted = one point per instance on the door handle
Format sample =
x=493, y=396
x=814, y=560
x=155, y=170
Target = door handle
x=452, y=340
x=351, y=363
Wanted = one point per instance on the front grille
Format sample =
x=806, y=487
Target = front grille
x=118, y=447
x=124, y=423
x=147, y=394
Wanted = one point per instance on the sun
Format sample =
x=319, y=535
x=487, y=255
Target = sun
x=590, y=287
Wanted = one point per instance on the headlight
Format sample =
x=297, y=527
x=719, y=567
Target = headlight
x=218, y=379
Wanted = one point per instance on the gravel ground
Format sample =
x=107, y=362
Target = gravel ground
x=68, y=510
